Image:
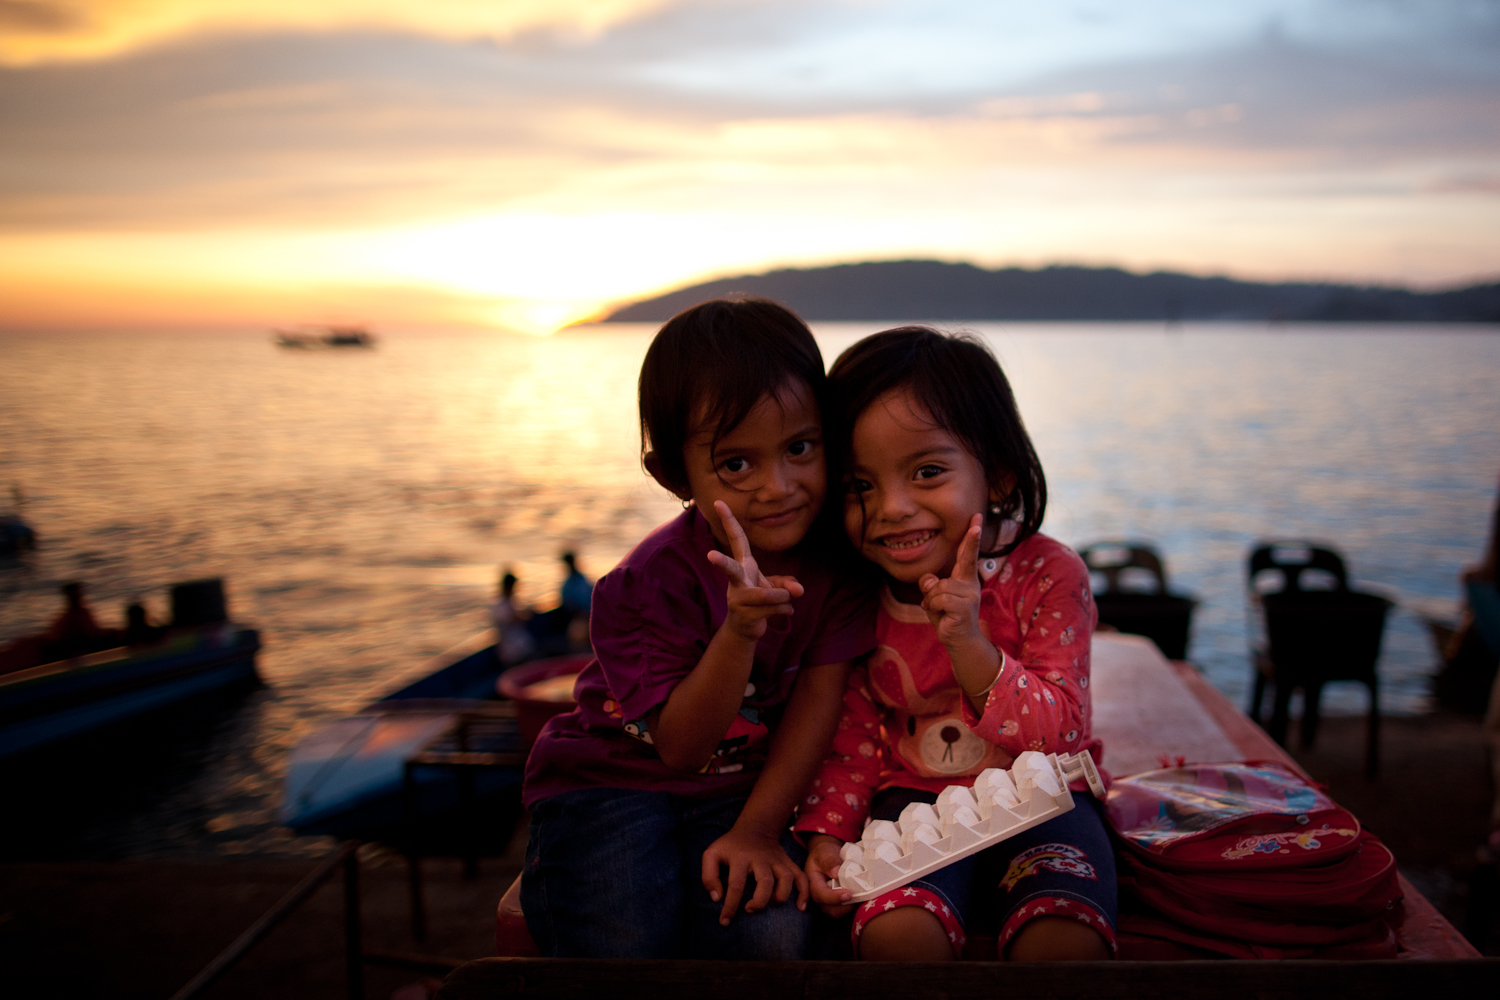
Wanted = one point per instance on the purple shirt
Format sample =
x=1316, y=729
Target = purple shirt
x=652, y=618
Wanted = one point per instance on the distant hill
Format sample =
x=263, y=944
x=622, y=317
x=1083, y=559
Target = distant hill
x=933, y=290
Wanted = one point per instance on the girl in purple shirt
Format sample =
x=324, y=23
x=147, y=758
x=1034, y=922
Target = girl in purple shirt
x=722, y=646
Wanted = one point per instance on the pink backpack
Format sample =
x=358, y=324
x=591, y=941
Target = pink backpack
x=1249, y=859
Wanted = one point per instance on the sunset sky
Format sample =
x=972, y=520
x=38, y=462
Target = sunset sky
x=524, y=163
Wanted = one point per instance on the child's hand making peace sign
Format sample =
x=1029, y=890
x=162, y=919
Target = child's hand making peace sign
x=753, y=596
x=952, y=605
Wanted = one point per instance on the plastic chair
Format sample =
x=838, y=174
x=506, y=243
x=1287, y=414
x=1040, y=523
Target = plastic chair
x=1131, y=594
x=1312, y=635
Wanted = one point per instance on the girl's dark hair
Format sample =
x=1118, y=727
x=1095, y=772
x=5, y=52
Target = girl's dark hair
x=960, y=384
x=724, y=354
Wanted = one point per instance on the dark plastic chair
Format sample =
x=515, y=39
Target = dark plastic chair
x=1131, y=594
x=1312, y=635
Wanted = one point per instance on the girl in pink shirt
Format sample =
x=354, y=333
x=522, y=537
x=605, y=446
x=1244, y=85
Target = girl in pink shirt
x=983, y=652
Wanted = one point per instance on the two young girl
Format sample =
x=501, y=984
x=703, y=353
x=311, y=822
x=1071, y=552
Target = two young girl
x=724, y=643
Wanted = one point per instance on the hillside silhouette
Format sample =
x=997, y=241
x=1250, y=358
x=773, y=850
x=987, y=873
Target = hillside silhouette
x=934, y=290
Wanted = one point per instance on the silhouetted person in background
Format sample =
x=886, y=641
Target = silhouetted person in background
x=1475, y=645
x=577, y=595
x=565, y=628
x=138, y=628
x=1482, y=619
x=15, y=534
x=577, y=591
x=513, y=641
x=74, y=631
x=1470, y=650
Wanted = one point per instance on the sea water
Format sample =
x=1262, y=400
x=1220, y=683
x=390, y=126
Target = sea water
x=360, y=503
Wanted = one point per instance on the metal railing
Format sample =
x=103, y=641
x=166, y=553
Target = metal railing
x=355, y=957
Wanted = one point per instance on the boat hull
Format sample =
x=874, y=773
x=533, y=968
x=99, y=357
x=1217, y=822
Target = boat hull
x=349, y=777
x=59, y=701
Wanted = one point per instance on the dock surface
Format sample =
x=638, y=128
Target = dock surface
x=140, y=929
x=1147, y=708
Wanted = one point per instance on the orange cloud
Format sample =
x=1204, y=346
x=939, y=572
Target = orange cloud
x=33, y=31
x=61, y=301
x=271, y=161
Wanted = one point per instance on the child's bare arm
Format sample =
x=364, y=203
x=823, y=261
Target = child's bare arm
x=700, y=708
x=1038, y=698
x=753, y=846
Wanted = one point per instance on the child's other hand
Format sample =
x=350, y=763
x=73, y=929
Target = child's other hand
x=753, y=597
x=952, y=605
x=822, y=866
x=747, y=852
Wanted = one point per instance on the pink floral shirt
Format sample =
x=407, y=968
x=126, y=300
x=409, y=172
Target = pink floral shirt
x=907, y=723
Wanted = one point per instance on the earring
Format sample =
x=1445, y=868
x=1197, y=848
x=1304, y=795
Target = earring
x=686, y=504
x=991, y=526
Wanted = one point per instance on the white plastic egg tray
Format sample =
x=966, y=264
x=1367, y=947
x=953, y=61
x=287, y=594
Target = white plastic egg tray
x=963, y=822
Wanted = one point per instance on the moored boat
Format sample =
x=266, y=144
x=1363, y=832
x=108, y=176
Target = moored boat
x=45, y=700
x=51, y=702
x=306, y=338
x=407, y=755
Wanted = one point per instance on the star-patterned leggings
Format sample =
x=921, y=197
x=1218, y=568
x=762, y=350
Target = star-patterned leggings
x=1063, y=868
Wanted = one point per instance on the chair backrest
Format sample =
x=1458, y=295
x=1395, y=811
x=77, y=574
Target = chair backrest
x=1125, y=566
x=1278, y=567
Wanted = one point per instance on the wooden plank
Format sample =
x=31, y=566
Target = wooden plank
x=1143, y=709
x=1252, y=742
x=1425, y=933
x=565, y=979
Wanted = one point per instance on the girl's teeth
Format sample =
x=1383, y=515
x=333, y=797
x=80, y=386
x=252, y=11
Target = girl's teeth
x=910, y=543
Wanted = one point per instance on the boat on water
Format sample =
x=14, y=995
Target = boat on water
x=54, y=688
x=445, y=740
x=51, y=702
x=318, y=337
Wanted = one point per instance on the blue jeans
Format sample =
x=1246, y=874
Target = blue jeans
x=617, y=873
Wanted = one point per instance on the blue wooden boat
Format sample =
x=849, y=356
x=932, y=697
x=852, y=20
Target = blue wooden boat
x=407, y=755
x=51, y=702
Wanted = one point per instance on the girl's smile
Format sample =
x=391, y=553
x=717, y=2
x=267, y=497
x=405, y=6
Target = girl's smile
x=913, y=490
x=906, y=541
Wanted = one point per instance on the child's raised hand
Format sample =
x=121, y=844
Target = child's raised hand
x=822, y=866
x=952, y=605
x=753, y=596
